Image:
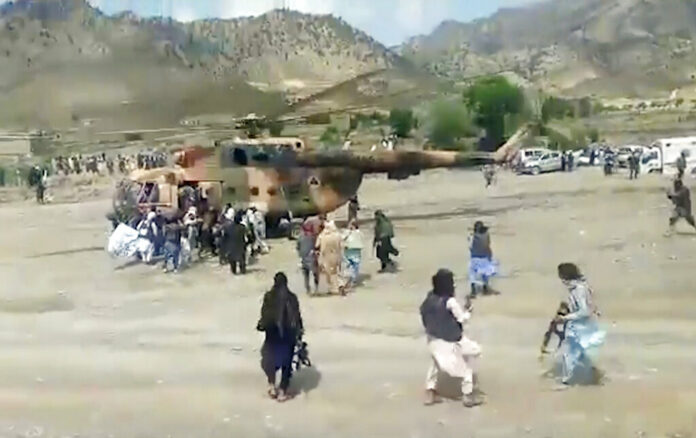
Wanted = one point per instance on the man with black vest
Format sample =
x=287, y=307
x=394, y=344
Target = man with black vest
x=452, y=352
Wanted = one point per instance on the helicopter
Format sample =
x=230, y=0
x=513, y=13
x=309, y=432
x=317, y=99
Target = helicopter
x=279, y=176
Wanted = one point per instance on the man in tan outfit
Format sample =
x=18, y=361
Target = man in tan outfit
x=329, y=247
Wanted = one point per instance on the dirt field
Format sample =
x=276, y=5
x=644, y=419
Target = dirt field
x=93, y=349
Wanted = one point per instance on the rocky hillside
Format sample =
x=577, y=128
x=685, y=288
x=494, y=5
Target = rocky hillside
x=287, y=48
x=64, y=61
x=608, y=47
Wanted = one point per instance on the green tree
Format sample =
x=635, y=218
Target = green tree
x=594, y=135
x=401, y=121
x=585, y=107
x=679, y=102
x=449, y=122
x=493, y=98
x=275, y=128
x=555, y=108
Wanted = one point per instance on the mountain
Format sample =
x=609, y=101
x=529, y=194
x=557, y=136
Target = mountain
x=604, y=47
x=64, y=61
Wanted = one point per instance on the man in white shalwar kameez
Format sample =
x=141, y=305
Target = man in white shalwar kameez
x=452, y=352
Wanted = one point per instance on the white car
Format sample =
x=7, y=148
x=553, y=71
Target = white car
x=626, y=151
x=549, y=162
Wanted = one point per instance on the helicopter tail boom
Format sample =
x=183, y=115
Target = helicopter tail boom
x=394, y=161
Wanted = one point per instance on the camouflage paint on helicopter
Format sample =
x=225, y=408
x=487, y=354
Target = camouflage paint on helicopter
x=263, y=173
x=279, y=176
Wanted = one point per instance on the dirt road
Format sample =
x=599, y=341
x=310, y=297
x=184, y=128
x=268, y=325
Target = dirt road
x=94, y=349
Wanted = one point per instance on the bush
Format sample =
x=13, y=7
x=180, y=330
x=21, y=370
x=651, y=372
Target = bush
x=378, y=118
x=133, y=136
x=353, y=123
x=3, y=173
x=330, y=137
x=275, y=128
x=449, y=122
x=401, y=122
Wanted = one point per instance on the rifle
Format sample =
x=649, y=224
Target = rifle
x=554, y=328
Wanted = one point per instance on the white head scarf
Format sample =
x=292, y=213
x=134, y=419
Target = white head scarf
x=229, y=214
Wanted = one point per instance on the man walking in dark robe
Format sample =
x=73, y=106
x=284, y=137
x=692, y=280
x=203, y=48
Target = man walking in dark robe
x=281, y=321
x=234, y=242
x=384, y=233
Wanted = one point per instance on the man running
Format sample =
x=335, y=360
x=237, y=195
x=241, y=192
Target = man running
x=681, y=198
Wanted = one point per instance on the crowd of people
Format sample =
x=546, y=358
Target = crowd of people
x=235, y=237
x=333, y=255
x=444, y=319
x=101, y=164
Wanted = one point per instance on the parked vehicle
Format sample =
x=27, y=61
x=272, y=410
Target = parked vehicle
x=585, y=157
x=532, y=154
x=663, y=154
x=625, y=152
x=548, y=162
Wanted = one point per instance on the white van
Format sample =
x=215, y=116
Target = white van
x=663, y=153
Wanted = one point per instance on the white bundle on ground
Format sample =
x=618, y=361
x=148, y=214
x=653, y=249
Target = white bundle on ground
x=123, y=242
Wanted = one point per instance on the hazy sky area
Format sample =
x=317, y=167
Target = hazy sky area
x=389, y=21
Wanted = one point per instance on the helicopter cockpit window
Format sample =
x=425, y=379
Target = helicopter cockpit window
x=234, y=156
x=298, y=145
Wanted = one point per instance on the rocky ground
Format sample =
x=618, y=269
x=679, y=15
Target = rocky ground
x=91, y=347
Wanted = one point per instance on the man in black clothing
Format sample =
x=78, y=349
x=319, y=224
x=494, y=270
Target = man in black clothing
x=234, y=242
x=681, y=198
x=281, y=321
